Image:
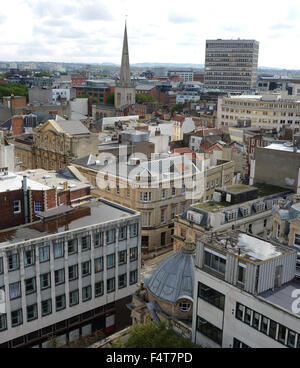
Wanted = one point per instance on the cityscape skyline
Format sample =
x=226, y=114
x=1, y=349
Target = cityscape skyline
x=69, y=31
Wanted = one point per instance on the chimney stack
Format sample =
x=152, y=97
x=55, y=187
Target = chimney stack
x=17, y=125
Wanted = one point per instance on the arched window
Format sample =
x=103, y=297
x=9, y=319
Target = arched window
x=185, y=307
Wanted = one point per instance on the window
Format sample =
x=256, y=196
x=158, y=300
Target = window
x=99, y=289
x=133, y=254
x=74, y=297
x=163, y=194
x=209, y=330
x=58, y=249
x=123, y=233
x=59, y=276
x=111, y=285
x=16, y=318
x=30, y=286
x=281, y=334
x=3, y=322
x=29, y=258
x=122, y=281
x=211, y=296
x=173, y=192
x=163, y=216
x=85, y=243
x=278, y=231
x=17, y=207
x=297, y=241
x=46, y=307
x=183, y=189
x=240, y=312
x=44, y=254
x=72, y=246
x=110, y=261
x=237, y=344
x=173, y=210
x=291, y=338
x=86, y=293
x=13, y=262
x=184, y=307
x=60, y=302
x=133, y=277
x=122, y=257
x=133, y=229
x=1, y=265
x=241, y=274
x=98, y=264
x=73, y=272
x=145, y=196
x=256, y=319
x=264, y=325
x=273, y=329
x=86, y=268
x=248, y=314
x=15, y=290
x=110, y=236
x=117, y=190
x=45, y=281
x=38, y=206
x=99, y=240
x=215, y=262
x=32, y=312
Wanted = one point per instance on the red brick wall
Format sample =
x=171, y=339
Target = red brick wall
x=7, y=216
x=51, y=198
x=17, y=125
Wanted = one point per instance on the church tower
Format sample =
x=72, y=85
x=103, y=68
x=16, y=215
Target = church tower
x=125, y=89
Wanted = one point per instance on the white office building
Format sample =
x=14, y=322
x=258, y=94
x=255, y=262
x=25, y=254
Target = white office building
x=68, y=275
x=245, y=293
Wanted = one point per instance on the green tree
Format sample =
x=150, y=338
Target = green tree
x=177, y=107
x=7, y=89
x=42, y=74
x=111, y=99
x=140, y=98
x=153, y=335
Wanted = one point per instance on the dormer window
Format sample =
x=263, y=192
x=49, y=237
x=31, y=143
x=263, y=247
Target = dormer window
x=245, y=211
x=232, y=215
x=259, y=206
x=185, y=307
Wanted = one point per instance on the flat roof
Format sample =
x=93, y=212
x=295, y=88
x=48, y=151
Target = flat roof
x=283, y=297
x=239, y=188
x=13, y=181
x=95, y=212
x=282, y=147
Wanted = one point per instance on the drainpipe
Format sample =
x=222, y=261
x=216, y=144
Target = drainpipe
x=25, y=198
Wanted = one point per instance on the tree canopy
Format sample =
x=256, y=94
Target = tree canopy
x=153, y=335
x=111, y=98
x=177, y=107
x=6, y=89
x=140, y=98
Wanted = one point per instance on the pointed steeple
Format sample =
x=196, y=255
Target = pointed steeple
x=125, y=69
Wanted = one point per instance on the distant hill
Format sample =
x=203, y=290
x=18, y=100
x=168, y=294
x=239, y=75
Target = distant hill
x=167, y=65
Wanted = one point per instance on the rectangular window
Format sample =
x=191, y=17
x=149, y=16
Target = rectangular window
x=99, y=289
x=173, y=192
x=122, y=257
x=44, y=253
x=123, y=233
x=85, y=243
x=73, y=272
x=282, y=334
x=264, y=325
x=86, y=293
x=110, y=236
x=13, y=262
x=86, y=268
x=122, y=281
x=240, y=311
x=110, y=261
x=17, y=207
x=256, y=320
x=60, y=302
x=29, y=258
x=15, y=290
x=32, y=312
x=133, y=279
x=209, y=330
x=291, y=339
x=211, y=296
x=38, y=206
x=30, y=286
x=248, y=314
x=237, y=344
x=133, y=229
x=46, y=307
x=72, y=246
x=241, y=274
x=99, y=240
x=163, y=194
x=45, y=281
x=98, y=262
x=163, y=216
x=133, y=254
x=297, y=241
x=1, y=265
x=74, y=297
x=3, y=322
x=59, y=276
x=215, y=262
x=16, y=318
x=111, y=285
x=273, y=329
x=58, y=249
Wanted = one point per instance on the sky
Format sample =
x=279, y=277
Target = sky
x=161, y=31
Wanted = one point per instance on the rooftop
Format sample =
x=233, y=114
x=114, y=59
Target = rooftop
x=248, y=248
x=93, y=213
x=285, y=147
x=14, y=181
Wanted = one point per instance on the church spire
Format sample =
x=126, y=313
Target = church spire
x=125, y=69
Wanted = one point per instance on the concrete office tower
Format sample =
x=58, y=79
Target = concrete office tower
x=231, y=65
x=125, y=89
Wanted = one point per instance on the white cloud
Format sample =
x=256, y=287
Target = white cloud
x=162, y=31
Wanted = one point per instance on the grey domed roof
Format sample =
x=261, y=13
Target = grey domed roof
x=173, y=279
